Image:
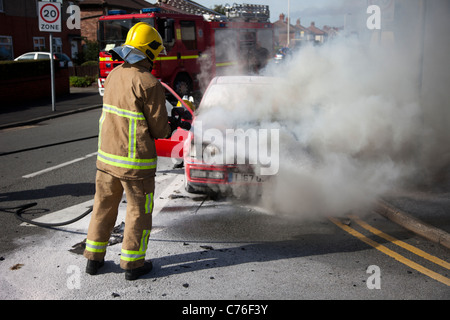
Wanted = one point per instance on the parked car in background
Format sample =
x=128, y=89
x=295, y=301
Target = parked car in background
x=63, y=59
x=282, y=54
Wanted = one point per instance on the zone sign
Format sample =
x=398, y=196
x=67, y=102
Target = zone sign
x=50, y=16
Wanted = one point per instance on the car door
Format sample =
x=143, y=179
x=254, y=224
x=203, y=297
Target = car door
x=173, y=147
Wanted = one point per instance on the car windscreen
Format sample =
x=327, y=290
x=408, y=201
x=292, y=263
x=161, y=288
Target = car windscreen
x=233, y=95
x=62, y=56
x=229, y=103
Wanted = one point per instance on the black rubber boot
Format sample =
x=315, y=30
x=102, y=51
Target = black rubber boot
x=133, y=274
x=93, y=266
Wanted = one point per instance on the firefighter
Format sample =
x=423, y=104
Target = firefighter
x=134, y=114
x=258, y=58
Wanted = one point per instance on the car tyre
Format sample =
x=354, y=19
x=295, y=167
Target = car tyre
x=190, y=188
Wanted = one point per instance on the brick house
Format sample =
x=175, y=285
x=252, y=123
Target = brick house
x=280, y=32
x=302, y=34
x=91, y=10
x=318, y=35
x=298, y=34
x=19, y=30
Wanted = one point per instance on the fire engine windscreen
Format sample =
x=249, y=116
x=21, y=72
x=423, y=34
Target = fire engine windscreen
x=236, y=51
x=357, y=120
x=113, y=33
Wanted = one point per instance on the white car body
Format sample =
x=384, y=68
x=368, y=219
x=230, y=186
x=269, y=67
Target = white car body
x=46, y=55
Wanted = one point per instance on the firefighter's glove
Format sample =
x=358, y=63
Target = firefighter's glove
x=174, y=123
x=185, y=125
x=176, y=120
x=181, y=113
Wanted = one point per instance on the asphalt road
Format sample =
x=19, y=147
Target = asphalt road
x=201, y=249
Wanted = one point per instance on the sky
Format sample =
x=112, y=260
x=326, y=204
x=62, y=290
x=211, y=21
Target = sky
x=322, y=12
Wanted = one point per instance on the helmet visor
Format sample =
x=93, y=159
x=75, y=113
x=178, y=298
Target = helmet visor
x=129, y=54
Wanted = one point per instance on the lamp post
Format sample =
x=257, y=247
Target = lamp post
x=289, y=24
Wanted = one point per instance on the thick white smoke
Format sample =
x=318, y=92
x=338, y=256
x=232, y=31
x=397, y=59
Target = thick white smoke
x=357, y=114
x=351, y=125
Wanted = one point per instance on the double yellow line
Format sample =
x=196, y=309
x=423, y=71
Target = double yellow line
x=393, y=254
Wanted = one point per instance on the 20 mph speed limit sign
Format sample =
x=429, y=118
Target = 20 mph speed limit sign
x=50, y=16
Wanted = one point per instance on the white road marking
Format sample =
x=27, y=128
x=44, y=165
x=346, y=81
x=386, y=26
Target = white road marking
x=163, y=198
x=31, y=175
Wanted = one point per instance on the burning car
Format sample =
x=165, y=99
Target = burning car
x=234, y=142
x=231, y=147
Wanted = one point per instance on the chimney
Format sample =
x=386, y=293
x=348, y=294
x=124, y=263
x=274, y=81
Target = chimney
x=298, y=23
x=282, y=17
x=313, y=24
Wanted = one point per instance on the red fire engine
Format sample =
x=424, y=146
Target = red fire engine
x=200, y=43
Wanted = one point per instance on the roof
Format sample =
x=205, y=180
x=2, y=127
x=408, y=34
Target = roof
x=127, y=4
x=282, y=24
x=300, y=27
x=316, y=30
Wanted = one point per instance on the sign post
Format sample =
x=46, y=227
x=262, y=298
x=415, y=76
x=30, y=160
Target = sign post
x=50, y=21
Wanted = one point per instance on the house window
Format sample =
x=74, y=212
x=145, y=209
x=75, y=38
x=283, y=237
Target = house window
x=6, y=48
x=57, y=45
x=39, y=43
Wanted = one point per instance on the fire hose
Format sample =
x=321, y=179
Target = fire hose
x=176, y=120
x=20, y=210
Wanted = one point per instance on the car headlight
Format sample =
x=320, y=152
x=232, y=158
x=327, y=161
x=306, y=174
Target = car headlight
x=212, y=154
x=208, y=153
x=211, y=151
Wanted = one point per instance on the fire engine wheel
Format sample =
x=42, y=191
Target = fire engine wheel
x=183, y=85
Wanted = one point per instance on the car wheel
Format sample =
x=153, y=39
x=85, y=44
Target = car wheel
x=190, y=188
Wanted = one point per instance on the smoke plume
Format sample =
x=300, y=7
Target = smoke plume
x=357, y=121
x=353, y=125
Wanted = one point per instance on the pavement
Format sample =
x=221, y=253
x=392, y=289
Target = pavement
x=424, y=211
x=79, y=99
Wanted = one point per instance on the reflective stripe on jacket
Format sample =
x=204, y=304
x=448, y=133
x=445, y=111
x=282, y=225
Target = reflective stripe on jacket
x=134, y=114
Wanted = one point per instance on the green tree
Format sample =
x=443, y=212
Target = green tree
x=89, y=52
x=220, y=9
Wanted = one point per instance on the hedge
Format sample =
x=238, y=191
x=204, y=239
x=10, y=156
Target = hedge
x=85, y=81
x=24, y=69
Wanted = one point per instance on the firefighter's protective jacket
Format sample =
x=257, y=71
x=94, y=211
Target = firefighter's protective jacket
x=134, y=114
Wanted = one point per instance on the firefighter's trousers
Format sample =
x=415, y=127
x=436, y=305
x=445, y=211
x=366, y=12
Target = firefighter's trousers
x=138, y=221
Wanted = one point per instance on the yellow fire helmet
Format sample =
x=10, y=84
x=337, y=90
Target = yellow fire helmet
x=143, y=41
